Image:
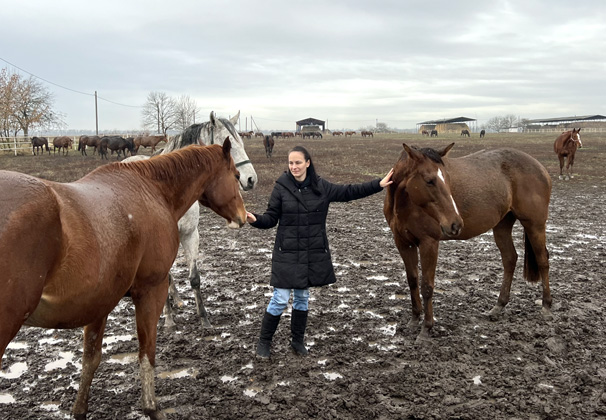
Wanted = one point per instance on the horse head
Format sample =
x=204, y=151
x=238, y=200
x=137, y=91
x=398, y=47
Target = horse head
x=221, y=128
x=420, y=179
x=576, y=137
x=223, y=194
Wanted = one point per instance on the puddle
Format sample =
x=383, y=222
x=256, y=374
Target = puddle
x=124, y=358
x=65, y=358
x=179, y=373
x=332, y=376
x=14, y=371
x=6, y=399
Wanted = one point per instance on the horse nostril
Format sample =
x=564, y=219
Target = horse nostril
x=251, y=182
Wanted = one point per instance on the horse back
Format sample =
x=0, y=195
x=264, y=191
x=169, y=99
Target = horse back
x=489, y=184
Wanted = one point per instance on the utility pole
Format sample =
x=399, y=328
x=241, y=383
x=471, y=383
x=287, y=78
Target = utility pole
x=96, y=116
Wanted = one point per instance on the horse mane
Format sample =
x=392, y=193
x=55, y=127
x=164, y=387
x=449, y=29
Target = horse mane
x=428, y=152
x=192, y=133
x=166, y=166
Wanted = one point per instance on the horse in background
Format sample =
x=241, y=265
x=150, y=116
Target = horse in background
x=425, y=133
x=565, y=146
x=215, y=131
x=482, y=133
x=109, y=234
x=367, y=134
x=62, y=143
x=465, y=133
x=148, y=141
x=434, y=198
x=40, y=143
x=90, y=141
x=268, y=144
x=434, y=133
x=116, y=144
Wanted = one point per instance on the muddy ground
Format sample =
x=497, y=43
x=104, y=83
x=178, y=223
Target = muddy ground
x=363, y=361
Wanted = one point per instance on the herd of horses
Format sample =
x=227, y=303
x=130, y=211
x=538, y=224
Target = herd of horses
x=433, y=198
x=99, y=144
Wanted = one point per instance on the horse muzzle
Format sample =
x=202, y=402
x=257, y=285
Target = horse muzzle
x=453, y=230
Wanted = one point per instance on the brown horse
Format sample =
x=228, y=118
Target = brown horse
x=465, y=133
x=90, y=141
x=367, y=134
x=268, y=143
x=40, y=143
x=565, y=146
x=111, y=233
x=64, y=143
x=482, y=133
x=425, y=133
x=434, y=133
x=434, y=198
x=148, y=141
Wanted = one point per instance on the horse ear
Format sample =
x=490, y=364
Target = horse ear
x=226, y=147
x=212, y=118
x=413, y=153
x=235, y=118
x=445, y=151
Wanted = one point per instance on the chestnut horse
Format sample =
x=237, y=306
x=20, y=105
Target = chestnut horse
x=64, y=143
x=90, y=141
x=39, y=143
x=434, y=198
x=565, y=146
x=148, y=141
x=111, y=233
x=268, y=143
x=217, y=130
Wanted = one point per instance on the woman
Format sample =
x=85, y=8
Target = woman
x=301, y=256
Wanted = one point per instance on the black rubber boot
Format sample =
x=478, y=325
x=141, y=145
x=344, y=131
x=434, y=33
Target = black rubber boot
x=298, y=322
x=268, y=328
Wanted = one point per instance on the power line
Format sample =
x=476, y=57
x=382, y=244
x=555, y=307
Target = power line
x=66, y=88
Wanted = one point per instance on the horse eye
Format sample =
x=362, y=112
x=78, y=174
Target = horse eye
x=238, y=176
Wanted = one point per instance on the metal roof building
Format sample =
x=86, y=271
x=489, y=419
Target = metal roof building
x=566, y=120
x=310, y=121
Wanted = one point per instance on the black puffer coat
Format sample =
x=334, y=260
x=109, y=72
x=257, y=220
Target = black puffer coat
x=301, y=256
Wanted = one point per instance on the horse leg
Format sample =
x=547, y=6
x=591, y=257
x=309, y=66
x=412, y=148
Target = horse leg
x=509, y=257
x=409, y=254
x=148, y=307
x=173, y=296
x=536, y=261
x=189, y=237
x=91, y=357
x=428, y=251
x=561, y=158
x=570, y=163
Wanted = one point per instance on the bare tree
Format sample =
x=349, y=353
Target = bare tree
x=186, y=110
x=25, y=104
x=159, y=112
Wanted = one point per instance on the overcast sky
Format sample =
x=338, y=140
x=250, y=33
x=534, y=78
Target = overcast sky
x=351, y=63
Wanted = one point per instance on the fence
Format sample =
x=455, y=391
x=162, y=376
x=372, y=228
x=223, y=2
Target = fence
x=23, y=145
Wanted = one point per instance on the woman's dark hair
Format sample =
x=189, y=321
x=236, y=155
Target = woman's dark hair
x=311, y=170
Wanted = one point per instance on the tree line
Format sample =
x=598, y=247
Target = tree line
x=27, y=105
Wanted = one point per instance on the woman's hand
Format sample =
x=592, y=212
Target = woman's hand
x=387, y=180
x=250, y=218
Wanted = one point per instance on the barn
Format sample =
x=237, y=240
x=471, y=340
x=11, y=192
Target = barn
x=311, y=122
x=449, y=125
x=586, y=122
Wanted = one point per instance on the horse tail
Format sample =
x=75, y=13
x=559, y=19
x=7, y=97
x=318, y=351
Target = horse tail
x=531, y=267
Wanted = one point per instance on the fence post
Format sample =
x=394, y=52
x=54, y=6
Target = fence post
x=15, y=144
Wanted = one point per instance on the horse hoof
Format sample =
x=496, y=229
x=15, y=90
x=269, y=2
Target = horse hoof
x=206, y=323
x=495, y=313
x=423, y=338
x=547, y=315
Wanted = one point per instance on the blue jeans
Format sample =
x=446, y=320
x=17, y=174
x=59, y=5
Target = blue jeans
x=279, y=300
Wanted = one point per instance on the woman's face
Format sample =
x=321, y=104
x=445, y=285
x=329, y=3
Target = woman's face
x=298, y=165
